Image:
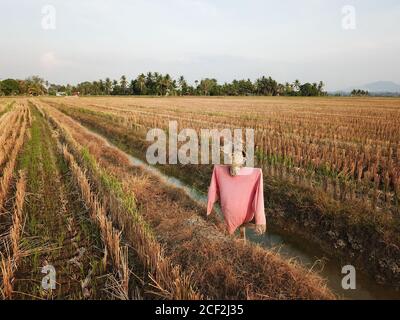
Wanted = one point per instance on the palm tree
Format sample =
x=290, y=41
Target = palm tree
x=321, y=86
x=166, y=82
x=141, y=80
x=173, y=87
x=101, y=86
x=115, y=89
x=288, y=88
x=35, y=85
x=297, y=85
x=280, y=89
x=124, y=84
x=94, y=90
x=150, y=83
x=157, y=82
x=108, y=86
x=132, y=86
x=182, y=85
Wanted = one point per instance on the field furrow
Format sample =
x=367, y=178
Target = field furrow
x=58, y=234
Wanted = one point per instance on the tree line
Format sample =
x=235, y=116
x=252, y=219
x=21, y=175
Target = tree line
x=31, y=86
x=157, y=84
x=359, y=93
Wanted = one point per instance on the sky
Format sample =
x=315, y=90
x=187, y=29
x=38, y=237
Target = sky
x=344, y=43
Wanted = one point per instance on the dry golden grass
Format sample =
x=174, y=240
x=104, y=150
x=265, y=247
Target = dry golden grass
x=219, y=266
x=8, y=134
x=9, y=260
x=18, y=218
x=13, y=147
x=348, y=146
x=111, y=237
x=6, y=268
x=58, y=229
x=167, y=280
x=13, y=134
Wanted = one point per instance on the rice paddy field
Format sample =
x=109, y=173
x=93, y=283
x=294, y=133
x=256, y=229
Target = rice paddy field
x=76, y=194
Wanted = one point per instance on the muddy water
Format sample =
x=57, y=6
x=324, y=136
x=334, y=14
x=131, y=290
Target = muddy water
x=289, y=247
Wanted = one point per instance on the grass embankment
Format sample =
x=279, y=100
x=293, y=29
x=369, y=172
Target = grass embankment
x=221, y=267
x=369, y=239
x=57, y=231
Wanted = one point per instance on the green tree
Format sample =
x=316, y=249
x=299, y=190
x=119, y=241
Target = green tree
x=321, y=86
x=297, y=85
x=108, y=86
x=267, y=86
x=10, y=87
x=132, y=87
x=183, y=86
x=165, y=85
x=208, y=87
x=309, y=90
x=115, y=88
x=35, y=86
x=151, y=84
x=124, y=84
x=101, y=87
x=141, y=83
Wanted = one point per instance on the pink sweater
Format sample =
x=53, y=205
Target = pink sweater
x=241, y=197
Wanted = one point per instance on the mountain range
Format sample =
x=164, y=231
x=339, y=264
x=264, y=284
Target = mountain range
x=378, y=87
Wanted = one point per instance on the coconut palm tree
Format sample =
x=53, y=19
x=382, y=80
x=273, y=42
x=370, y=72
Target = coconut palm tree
x=183, y=87
x=150, y=83
x=165, y=84
x=141, y=81
x=108, y=86
x=35, y=85
x=124, y=84
x=297, y=85
x=101, y=86
x=321, y=86
x=115, y=87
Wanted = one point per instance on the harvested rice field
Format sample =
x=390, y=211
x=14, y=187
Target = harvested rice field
x=83, y=215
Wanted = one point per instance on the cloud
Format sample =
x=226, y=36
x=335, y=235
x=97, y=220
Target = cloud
x=49, y=60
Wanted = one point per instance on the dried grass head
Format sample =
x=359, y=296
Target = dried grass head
x=238, y=162
x=236, y=156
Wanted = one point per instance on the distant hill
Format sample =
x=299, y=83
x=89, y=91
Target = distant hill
x=382, y=86
x=378, y=87
x=374, y=88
